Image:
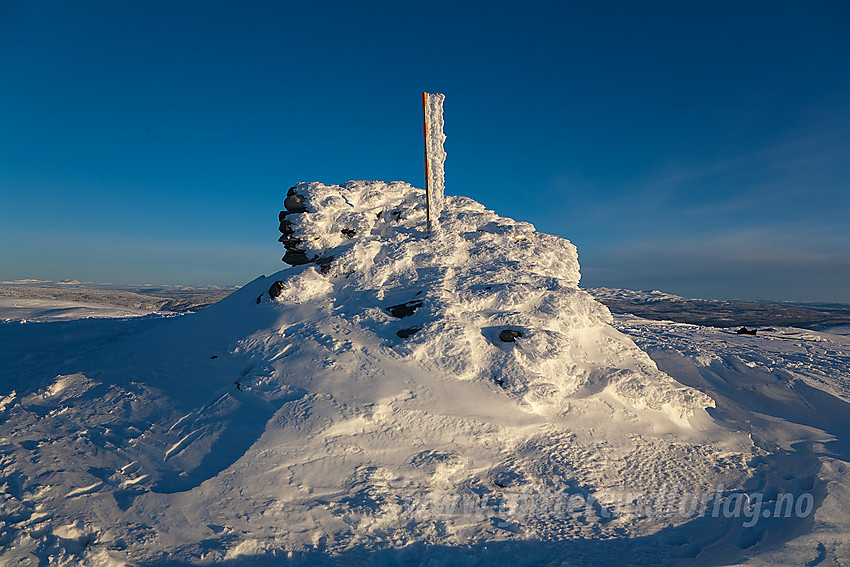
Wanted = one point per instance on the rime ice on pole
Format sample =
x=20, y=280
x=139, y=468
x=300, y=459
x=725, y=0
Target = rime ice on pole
x=435, y=155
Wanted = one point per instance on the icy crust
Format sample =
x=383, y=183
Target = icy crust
x=434, y=140
x=475, y=276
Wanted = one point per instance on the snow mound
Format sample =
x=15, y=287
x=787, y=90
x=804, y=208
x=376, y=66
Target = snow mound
x=449, y=398
x=476, y=276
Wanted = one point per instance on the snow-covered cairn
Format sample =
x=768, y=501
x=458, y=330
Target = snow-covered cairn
x=446, y=300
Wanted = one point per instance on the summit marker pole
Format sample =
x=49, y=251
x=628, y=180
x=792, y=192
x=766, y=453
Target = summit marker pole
x=435, y=157
x=427, y=175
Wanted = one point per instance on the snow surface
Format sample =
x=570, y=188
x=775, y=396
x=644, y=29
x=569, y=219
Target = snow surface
x=30, y=309
x=304, y=429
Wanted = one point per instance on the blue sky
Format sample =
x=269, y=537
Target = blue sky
x=701, y=148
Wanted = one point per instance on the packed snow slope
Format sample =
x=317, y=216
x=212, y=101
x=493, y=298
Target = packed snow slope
x=399, y=398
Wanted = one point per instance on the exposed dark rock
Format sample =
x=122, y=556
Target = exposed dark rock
x=290, y=243
x=746, y=331
x=509, y=335
x=296, y=258
x=404, y=333
x=349, y=232
x=504, y=478
x=259, y=298
x=325, y=264
x=404, y=309
x=275, y=289
x=294, y=203
x=285, y=224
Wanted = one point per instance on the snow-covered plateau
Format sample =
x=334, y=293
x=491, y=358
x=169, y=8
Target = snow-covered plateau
x=404, y=398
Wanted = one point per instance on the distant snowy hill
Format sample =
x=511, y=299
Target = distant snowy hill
x=662, y=306
x=31, y=310
x=414, y=399
x=141, y=297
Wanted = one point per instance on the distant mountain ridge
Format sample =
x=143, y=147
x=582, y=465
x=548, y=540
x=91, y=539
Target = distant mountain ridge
x=661, y=306
x=149, y=298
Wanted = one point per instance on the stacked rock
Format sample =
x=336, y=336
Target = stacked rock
x=294, y=205
x=319, y=218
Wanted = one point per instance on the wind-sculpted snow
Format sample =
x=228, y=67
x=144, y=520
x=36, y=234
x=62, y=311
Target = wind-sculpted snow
x=477, y=275
x=397, y=398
